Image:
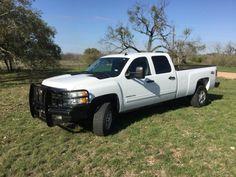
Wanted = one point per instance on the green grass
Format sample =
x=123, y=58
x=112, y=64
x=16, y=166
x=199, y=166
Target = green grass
x=171, y=139
x=226, y=69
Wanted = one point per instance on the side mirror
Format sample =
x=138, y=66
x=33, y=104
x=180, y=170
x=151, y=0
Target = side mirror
x=139, y=73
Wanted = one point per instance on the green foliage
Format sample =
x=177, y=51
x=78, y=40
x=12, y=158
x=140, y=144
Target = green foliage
x=220, y=59
x=231, y=69
x=222, y=56
x=71, y=56
x=196, y=59
x=91, y=54
x=25, y=37
x=73, y=62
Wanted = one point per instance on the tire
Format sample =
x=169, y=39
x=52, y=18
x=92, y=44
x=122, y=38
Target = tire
x=200, y=97
x=103, y=119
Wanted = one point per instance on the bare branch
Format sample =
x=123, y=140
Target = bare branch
x=157, y=47
x=153, y=23
x=120, y=38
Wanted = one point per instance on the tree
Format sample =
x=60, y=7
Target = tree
x=218, y=48
x=91, y=54
x=151, y=22
x=24, y=36
x=182, y=48
x=120, y=38
x=230, y=49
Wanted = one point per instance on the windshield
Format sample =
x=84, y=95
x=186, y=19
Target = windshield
x=108, y=66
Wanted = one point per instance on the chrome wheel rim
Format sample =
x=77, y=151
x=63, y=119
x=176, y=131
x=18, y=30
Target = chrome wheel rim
x=202, y=97
x=108, y=120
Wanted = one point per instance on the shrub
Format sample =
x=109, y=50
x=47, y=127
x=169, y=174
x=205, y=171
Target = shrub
x=197, y=59
x=90, y=55
x=220, y=60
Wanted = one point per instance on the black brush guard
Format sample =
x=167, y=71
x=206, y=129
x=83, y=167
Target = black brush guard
x=41, y=107
x=38, y=101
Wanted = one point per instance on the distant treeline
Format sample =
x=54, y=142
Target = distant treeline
x=219, y=58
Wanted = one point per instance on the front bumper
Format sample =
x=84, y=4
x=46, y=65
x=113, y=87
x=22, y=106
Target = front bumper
x=41, y=107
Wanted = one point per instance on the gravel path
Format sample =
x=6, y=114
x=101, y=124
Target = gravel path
x=226, y=75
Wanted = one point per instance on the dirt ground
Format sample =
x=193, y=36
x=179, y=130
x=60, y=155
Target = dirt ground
x=227, y=75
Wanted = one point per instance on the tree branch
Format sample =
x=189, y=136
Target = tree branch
x=6, y=13
x=146, y=25
x=155, y=48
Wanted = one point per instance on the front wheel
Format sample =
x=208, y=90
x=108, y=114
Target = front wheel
x=103, y=119
x=200, y=97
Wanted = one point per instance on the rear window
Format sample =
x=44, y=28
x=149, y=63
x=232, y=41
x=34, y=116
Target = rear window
x=161, y=64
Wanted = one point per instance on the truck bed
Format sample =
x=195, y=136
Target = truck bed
x=187, y=67
x=189, y=75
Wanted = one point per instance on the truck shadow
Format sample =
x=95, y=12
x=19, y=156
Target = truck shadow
x=126, y=119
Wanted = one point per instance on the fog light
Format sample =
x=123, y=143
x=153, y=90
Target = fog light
x=59, y=117
x=83, y=100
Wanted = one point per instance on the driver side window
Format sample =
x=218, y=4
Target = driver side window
x=139, y=62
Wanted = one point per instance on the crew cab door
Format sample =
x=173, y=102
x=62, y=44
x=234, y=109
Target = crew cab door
x=164, y=77
x=138, y=92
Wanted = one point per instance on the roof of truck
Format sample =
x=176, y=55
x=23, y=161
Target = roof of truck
x=133, y=55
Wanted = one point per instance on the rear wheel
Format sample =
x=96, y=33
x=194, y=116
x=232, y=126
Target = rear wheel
x=200, y=97
x=103, y=119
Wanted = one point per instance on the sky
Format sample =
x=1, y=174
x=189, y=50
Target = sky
x=81, y=24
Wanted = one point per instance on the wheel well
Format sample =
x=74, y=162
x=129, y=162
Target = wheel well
x=112, y=98
x=203, y=82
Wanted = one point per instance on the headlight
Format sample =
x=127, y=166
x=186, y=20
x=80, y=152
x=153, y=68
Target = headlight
x=75, y=101
x=76, y=94
x=69, y=99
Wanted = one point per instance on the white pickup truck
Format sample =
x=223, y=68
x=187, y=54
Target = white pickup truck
x=116, y=84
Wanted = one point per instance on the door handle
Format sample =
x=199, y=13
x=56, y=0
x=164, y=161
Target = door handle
x=149, y=81
x=172, y=78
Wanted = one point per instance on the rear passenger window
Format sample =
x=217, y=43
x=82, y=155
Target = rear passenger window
x=161, y=64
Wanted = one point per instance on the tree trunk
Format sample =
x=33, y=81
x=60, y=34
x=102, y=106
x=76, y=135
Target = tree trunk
x=8, y=59
x=11, y=64
x=6, y=63
x=149, y=46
